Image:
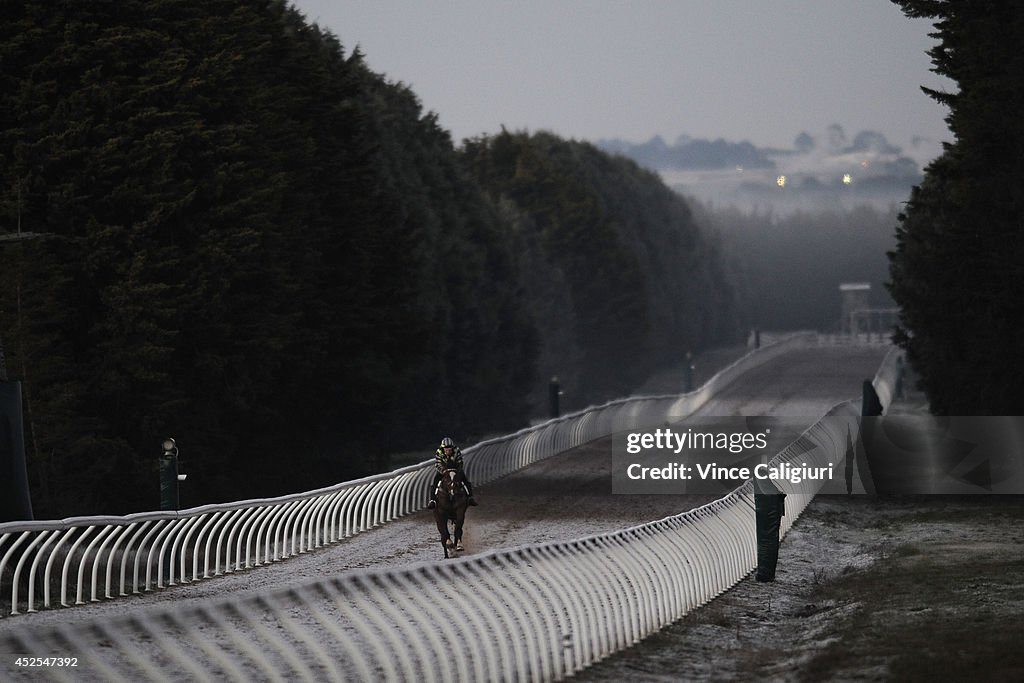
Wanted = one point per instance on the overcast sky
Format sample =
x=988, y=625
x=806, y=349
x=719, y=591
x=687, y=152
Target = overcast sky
x=755, y=70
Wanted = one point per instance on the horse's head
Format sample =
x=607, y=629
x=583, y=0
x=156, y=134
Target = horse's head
x=451, y=481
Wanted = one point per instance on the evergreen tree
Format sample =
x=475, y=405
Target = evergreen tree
x=252, y=243
x=619, y=277
x=956, y=268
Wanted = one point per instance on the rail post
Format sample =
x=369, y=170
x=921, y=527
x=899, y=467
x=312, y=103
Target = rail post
x=553, y=394
x=15, y=501
x=169, y=475
x=689, y=373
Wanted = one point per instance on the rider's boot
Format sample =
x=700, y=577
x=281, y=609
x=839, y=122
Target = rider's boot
x=470, y=500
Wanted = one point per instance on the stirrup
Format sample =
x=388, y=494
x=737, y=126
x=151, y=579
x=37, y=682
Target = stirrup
x=431, y=504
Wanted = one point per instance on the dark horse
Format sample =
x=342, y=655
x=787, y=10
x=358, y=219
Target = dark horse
x=452, y=501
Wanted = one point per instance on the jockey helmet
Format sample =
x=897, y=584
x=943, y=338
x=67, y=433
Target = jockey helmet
x=446, y=442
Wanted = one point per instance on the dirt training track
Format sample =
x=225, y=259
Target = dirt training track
x=564, y=497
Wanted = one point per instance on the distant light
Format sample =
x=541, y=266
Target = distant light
x=781, y=181
x=847, y=179
x=740, y=169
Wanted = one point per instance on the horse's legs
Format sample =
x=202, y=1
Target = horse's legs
x=442, y=528
x=460, y=519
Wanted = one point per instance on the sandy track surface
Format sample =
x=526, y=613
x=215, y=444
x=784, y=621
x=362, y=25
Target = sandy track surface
x=564, y=497
x=913, y=588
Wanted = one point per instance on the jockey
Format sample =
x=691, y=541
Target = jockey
x=448, y=456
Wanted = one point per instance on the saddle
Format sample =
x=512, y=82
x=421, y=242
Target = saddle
x=461, y=483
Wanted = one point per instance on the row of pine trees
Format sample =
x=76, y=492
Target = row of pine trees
x=242, y=237
x=236, y=234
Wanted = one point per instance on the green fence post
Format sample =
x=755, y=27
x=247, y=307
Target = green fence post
x=769, y=508
x=169, y=476
x=15, y=501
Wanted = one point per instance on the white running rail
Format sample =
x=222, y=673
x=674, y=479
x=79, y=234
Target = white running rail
x=74, y=561
x=533, y=613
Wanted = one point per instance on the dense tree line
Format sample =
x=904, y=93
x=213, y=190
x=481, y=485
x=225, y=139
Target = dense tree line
x=956, y=269
x=608, y=248
x=253, y=243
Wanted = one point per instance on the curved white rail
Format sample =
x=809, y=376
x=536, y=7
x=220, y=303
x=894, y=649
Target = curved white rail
x=108, y=557
x=528, y=613
x=533, y=613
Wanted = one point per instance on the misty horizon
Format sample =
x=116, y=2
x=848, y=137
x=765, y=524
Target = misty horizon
x=822, y=170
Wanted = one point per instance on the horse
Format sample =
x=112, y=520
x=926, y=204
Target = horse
x=452, y=501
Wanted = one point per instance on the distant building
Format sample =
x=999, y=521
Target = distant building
x=858, y=317
x=855, y=296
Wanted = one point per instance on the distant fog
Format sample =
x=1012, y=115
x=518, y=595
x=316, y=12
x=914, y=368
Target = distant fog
x=827, y=171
